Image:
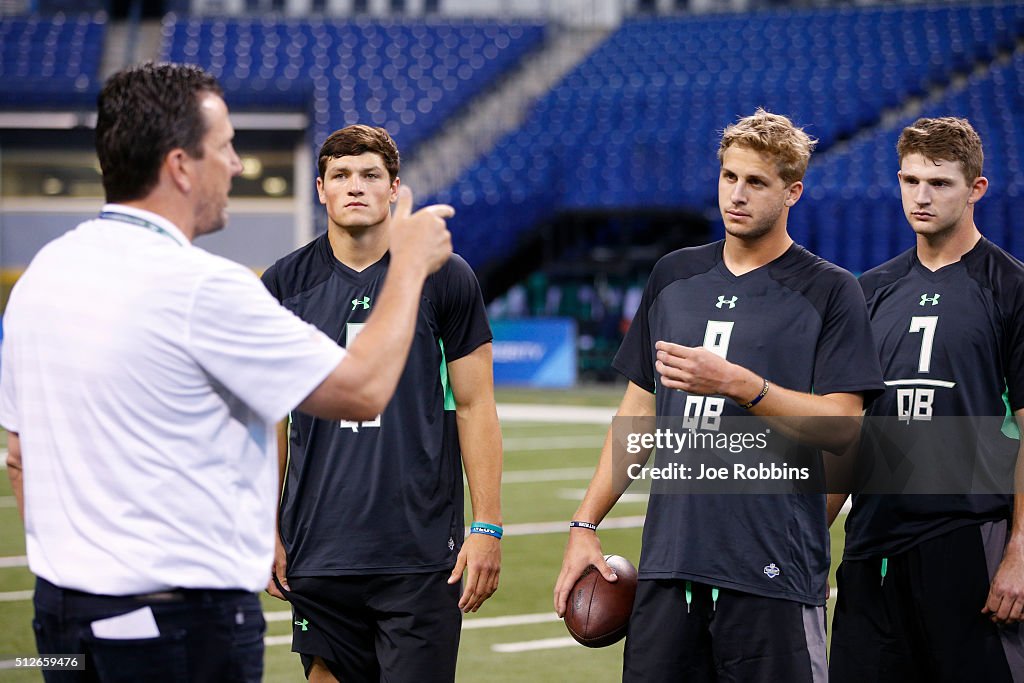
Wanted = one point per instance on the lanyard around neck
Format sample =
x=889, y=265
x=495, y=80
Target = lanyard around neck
x=141, y=222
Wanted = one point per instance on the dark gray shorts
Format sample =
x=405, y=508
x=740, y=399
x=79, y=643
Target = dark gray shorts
x=924, y=621
x=396, y=627
x=739, y=637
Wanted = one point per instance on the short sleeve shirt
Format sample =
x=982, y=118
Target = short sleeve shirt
x=382, y=496
x=798, y=321
x=144, y=377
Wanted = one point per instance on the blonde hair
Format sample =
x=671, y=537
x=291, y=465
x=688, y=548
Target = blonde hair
x=774, y=135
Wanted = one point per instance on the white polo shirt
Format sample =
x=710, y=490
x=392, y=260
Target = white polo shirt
x=144, y=377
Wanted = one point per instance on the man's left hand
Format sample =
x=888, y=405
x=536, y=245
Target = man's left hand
x=695, y=370
x=1005, y=604
x=481, y=556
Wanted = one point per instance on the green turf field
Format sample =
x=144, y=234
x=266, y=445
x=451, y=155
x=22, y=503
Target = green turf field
x=546, y=469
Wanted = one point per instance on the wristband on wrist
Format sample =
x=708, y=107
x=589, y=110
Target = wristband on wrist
x=583, y=525
x=757, y=399
x=492, y=530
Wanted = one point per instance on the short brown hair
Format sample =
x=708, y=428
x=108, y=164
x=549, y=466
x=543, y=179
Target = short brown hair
x=775, y=135
x=947, y=138
x=142, y=114
x=360, y=139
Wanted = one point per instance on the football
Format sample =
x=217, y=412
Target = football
x=598, y=611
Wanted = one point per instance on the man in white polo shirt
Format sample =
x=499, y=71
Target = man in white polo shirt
x=141, y=381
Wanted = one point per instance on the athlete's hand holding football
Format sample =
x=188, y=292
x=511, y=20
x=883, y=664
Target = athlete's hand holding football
x=697, y=370
x=582, y=550
x=422, y=236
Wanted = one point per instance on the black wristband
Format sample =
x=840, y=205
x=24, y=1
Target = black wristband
x=757, y=399
x=582, y=525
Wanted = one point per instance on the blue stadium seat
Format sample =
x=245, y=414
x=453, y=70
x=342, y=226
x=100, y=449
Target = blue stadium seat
x=636, y=124
x=51, y=62
x=408, y=77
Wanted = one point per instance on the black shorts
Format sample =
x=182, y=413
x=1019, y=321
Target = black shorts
x=924, y=621
x=395, y=627
x=740, y=637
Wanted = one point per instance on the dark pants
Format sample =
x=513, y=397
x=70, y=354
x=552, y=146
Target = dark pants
x=204, y=635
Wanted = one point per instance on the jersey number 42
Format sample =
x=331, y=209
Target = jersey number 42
x=351, y=332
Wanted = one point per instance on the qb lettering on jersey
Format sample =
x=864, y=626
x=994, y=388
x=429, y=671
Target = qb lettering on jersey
x=915, y=398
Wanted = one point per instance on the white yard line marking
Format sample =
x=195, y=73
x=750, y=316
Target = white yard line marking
x=526, y=529
x=530, y=645
x=14, y=561
x=467, y=624
x=511, y=620
x=271, y=641
x=530, y=476
x=577, y=494
x=16, y=596
x=516, y=412
x=8, y=502
x=552, y=443
x=278, y=615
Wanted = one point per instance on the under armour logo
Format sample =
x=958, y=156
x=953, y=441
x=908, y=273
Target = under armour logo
x=933, y=299
x=303, y=624
x=364, y=302
x=722, y=301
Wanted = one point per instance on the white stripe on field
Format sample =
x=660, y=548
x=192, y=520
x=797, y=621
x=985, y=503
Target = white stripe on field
x=551, y=443
x=530, y=645
x=530, y=476
x=577, y=494
x=517, y=412
x=278, y=615
x=16, y=596
x=526, y=529
x=271, y=641
x=511, y=620
x=8, y=502
x=467, y=624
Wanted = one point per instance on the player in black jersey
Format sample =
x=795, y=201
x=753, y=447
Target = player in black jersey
x=732, y=586
x=371, y=548
x=931, y=587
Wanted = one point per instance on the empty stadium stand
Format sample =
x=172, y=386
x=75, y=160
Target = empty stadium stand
x=50, y=62
x=637, y=124
x=408, y=77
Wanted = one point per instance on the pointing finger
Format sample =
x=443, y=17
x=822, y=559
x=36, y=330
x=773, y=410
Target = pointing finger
x=440, y=210
x=404, y=206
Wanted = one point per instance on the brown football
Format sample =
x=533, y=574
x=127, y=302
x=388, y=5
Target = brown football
x=598, y=611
